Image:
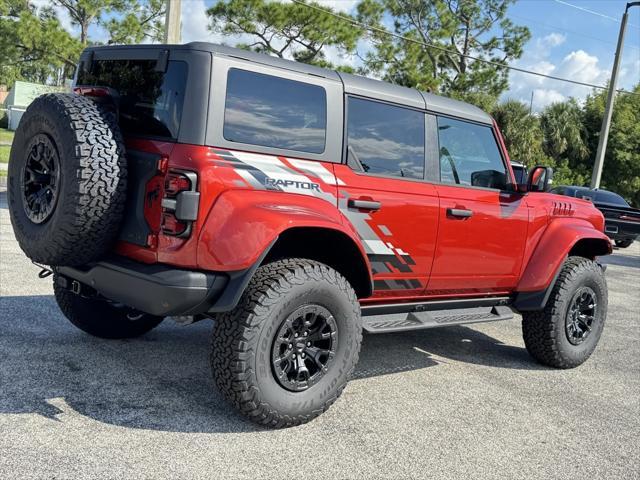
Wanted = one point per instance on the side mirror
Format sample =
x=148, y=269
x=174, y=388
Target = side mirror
x=540, y=179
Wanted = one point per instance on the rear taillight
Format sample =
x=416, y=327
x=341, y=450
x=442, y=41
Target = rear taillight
x=180, y=203
x=92, y=91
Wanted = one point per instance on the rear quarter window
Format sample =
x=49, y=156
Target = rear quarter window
x=150, y=102
x=275, y=112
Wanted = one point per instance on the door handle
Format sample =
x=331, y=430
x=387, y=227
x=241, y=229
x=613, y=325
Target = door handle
x=364, y=204
x=459, y=213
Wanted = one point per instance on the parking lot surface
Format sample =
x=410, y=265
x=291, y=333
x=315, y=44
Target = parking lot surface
x=455, y=402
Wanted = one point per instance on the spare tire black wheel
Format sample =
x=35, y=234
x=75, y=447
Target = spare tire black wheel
x=67, y=180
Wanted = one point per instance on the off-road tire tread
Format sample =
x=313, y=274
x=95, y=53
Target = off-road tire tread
x=234, y=330
x=101, y=319
x=93, y=208
x=539, y=327
x=623, y=243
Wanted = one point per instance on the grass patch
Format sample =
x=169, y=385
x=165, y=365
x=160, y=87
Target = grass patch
x=6, y=136
x=4, y=153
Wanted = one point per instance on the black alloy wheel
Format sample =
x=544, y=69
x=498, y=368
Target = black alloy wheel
x=304, y=347
x=40, y=179
x=581, y=315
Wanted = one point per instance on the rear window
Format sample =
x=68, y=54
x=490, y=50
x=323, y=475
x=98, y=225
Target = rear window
x=274, y=112
x=150, y=101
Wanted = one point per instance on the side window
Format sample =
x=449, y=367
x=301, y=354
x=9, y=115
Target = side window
x=469, y=155
x=385, y=139
x=274, y=112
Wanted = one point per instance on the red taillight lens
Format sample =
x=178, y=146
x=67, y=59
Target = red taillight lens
x=172, y=226
x=92, y=91
x=176, y=183
x=180, y=203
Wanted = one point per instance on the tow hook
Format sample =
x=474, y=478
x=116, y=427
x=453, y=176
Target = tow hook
x=44, y=271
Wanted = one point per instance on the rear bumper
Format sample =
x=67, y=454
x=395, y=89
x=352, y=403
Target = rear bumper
x=156, y=289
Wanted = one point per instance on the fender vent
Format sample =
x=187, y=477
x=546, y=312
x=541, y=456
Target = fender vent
x=562, y=209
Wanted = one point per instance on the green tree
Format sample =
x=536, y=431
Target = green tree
x=565, y=141
x=457, y=28
x=522, y=133
x=33, y=45
x=141, y=20
x=284, y=29
x=621, y=171
x=85, y=13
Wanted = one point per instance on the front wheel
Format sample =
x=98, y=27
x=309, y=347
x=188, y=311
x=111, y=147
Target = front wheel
x=623, y=243
x=286, y=352
x=566, y=332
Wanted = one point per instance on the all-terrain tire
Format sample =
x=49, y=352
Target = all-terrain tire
x=545, y=332
x=90, y=190
x=623, y=243
x=103, y=319
x=241, y=351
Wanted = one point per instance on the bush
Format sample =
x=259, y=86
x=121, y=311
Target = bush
x=4, y=118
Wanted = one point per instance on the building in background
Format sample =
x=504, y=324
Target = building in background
x=21, y=95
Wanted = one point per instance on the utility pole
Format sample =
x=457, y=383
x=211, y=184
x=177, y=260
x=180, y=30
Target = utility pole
x=608, y=111
x=172, y=22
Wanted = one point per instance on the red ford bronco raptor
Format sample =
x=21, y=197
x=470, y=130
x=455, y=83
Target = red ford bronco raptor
x=297, y=207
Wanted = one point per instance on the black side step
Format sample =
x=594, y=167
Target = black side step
x=400, y=322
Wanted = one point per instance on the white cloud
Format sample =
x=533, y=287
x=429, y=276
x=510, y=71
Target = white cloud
x=577, y=65
x=195, y=21
x=339, y=5
x=552, y=40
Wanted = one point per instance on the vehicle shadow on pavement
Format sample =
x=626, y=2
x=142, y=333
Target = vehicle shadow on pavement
x=458, y=343
x=162, y=381
x=620, y=260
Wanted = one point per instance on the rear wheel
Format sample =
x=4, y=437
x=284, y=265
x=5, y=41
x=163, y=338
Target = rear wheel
x=102, y=318
x=286, y=352
x=623, y=243
x=566, y=332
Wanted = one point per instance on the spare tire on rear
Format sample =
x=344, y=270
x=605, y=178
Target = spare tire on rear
x=67, y=180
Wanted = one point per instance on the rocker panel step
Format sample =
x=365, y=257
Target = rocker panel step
x=400, y=322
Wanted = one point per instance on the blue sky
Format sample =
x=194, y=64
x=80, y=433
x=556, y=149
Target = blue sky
x=566, y=42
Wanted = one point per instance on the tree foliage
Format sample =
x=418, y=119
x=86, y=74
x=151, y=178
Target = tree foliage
x=139, y=22
x=34, y=45
x=84, y=13
x=457, y=29
x=521, y=131
x=283, y=29
x=565, y=136
x=621, y=172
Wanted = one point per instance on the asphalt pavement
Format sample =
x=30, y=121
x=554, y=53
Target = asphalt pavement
x=456, y=402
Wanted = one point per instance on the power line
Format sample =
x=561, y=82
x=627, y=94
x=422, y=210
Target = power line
x=384, y=31
x=592, y=12
x=555, y=28
x=547, y=26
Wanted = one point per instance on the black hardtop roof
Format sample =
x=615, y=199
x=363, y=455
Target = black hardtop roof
x=353, y=84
